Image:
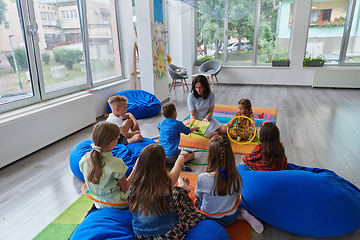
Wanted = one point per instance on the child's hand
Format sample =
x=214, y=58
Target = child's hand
x=184, y=153
x=196, y=128
x=205, y=120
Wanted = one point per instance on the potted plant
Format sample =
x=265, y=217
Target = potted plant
x=313, y=62
x=202, y=60
x=280, y=62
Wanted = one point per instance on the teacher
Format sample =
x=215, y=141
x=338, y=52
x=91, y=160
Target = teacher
x=201, y=103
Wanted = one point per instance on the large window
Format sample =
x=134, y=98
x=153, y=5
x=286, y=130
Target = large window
x=353, y=47
x=328, y=36
x=45, y=51
x=103, y=40
x=244, y=32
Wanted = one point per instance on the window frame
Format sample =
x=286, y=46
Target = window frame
x=26, y=12
x=350, y=12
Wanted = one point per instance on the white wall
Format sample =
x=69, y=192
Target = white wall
x=181, y=35
x=101, y=95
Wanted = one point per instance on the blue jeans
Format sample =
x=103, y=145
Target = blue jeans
x=171, y=159
x=225, y=220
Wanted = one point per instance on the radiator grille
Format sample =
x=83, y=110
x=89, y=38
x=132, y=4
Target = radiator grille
x=20, y=136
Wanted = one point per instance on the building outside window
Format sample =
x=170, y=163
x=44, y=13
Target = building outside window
x=231, y=29
x=55, y=60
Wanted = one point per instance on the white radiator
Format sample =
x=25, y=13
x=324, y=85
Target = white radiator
x=42, y=124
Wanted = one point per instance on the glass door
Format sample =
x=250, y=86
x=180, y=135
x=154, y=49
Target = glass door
x=17, y=85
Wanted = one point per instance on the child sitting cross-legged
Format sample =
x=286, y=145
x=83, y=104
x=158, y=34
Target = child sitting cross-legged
x=118, y=106
x=244, y=128
x=104, y=174
x=219, y=188
x=269, y=155
x=160, y=211
x=169, y=135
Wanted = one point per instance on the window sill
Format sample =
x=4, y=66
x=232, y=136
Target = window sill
x=53, y=102
x=108, y=85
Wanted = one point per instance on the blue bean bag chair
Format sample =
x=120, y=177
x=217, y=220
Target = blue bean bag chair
x=141, y=104
x=111, y=223
x=128, y=153
x=306, y=201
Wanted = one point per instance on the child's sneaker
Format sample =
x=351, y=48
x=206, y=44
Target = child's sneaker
x=186, y=168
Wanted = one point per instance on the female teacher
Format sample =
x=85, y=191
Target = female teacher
x=201, y=103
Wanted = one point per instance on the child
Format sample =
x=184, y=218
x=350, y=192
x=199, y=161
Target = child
x=118, y=107
x=243, y=128
x=159, y=210
x=169, y=135
x=269, y=155
x=219, y=188
x=104, y=174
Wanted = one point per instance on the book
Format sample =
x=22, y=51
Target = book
x=197, y=123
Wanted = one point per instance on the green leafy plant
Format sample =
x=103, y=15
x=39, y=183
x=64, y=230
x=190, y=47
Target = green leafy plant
x=57, y=54
x=21, y=59
x=282, y=59
x=45, y=58
x=309, y=58
x=273, y=51
x=206, y=58
x=78, y=55
x=68, y=57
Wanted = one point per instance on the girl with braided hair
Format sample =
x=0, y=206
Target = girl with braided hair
x=219, y=188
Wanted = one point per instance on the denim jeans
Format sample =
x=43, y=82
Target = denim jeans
x=154, y=224
x=171, y=159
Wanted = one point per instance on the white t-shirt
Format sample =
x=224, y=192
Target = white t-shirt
x=211, y=203
x=114, y=119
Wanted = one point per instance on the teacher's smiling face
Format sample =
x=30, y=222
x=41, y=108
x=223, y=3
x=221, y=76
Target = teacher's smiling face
x=199, y=89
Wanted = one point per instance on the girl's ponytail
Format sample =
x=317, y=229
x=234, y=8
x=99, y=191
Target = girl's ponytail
x=103, y=134
x=96, y=164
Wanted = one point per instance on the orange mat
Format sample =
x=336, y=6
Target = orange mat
x=201, y=142
x=240, y=230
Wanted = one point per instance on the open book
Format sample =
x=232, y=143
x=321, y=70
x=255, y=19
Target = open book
x=197, y=123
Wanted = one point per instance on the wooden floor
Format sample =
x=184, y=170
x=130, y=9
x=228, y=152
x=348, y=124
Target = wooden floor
x=319, y=128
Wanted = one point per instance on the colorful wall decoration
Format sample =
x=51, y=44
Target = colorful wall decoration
x=158, y=38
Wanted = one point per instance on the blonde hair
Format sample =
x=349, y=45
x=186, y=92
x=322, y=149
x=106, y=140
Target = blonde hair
x=114, y=101
x=103, y=134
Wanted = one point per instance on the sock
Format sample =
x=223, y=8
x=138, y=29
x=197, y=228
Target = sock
x=254, y=223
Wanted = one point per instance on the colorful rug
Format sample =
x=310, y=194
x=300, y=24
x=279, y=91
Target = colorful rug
x=63, y=226
x=224, y=113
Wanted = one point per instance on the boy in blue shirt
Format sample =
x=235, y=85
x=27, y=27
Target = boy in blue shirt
x=169, y=135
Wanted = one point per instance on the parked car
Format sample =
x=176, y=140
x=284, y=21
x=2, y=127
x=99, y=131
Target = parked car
x=245, y=46
x=330, y=58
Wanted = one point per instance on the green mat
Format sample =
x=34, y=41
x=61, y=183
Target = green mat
x=64, y=225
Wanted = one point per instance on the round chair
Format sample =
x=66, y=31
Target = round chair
x=306, y=201
x=141, y=104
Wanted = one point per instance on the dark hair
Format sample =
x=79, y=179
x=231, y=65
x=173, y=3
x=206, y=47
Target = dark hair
x=221, y=156
x=103, y=134
x=150, y=182
x=247, y=105
x=168, y=110
x=270, y=139
x=203, y=80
